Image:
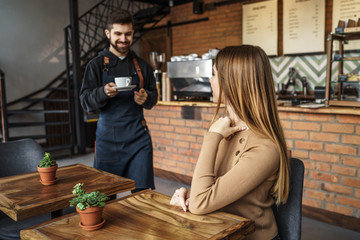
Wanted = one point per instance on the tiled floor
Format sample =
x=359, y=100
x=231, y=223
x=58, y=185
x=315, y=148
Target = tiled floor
x=311, y=229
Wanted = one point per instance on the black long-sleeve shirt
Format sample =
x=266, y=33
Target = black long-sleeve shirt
x=92, y=95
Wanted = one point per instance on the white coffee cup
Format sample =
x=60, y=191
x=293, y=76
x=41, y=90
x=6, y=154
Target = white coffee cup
x=123, y=81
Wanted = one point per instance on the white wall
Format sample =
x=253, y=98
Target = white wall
x=32, y=48
x=32, y=42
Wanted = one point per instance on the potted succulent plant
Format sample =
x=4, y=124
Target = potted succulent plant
x=47, y=169
x=89, y=206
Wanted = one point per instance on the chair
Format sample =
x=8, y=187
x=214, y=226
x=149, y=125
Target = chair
x=288, y=216
x=17, y=157
x=21, y=156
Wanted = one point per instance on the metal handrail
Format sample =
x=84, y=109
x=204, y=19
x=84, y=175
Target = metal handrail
x=60, y=76
x=93, y=22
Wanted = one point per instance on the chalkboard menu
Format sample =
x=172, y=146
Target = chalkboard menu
x=260, y=25
x=304, y=26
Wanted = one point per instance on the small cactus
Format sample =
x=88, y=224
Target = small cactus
x=47, y=161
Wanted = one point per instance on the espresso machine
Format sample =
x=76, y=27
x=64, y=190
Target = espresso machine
x=191, y=79
x=156, y=61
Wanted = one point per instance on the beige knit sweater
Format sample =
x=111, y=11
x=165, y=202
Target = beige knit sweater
x=236, y=176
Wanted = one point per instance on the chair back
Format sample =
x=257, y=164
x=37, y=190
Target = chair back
x=20, y=156
x=288, y=216
x=17, y=157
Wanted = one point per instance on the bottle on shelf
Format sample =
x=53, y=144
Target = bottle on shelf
x=290, y=85
x=304, y=85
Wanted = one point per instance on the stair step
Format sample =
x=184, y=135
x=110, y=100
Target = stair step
x=41, y=136
x=58, y=88
x=45, y=99
x=28, y=124
x=56, y=148
x=62, y=155
x=36, y=111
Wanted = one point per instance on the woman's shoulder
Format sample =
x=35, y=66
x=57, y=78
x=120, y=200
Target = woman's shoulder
x=260, y=142
x=254, y=137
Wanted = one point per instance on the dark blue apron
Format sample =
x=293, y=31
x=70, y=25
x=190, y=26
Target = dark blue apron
x=123, y=143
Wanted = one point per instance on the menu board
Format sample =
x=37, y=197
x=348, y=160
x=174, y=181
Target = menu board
x=260, y=25
x=345, y=10
x=304, y=26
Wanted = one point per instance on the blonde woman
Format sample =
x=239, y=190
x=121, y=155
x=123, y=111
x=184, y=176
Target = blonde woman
x=243, y=167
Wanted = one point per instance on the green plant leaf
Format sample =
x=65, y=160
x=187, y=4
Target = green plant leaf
x=85, y=200
x=81, y=206
x=47, y=161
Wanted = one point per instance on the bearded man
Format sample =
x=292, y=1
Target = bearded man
x=123, y=143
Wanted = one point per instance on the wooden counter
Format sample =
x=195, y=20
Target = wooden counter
x=322, y=110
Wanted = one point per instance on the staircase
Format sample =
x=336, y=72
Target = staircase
x=43, y=115
x=47, y=114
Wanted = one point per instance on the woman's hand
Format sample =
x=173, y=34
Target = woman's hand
x=223, y=127
x=180, y=198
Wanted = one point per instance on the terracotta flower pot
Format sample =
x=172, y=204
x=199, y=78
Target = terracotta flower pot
x=47, y=175
x=91, y=218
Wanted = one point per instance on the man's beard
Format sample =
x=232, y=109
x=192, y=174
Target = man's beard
x=121, y=50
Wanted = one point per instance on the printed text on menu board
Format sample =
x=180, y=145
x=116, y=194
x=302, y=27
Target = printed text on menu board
x=260, y=25
x=304, y=26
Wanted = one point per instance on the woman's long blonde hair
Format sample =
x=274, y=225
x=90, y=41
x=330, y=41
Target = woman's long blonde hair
x=245, y=80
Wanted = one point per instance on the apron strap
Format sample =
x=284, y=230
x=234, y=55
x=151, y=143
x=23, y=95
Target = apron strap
x=141, y=78
x=106, y=63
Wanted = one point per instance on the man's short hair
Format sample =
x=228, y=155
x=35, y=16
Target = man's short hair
x=119, y=16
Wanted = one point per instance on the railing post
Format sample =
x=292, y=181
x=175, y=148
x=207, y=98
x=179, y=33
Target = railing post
x=79, y=121
x=4, y=115
x=68, y=86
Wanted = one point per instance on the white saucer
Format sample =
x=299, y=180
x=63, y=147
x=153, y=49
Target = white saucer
x=128, y=88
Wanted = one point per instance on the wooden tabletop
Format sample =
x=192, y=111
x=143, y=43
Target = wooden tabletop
x=23, y=196
x=145, y=215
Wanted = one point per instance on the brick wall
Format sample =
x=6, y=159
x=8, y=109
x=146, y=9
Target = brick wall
x=327, y=143
x=329, y=146
x=177, y=141
x=224, y=27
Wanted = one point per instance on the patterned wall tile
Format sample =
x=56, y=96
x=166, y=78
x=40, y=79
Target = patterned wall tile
x=312, y=67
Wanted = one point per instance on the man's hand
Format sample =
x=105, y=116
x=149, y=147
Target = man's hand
x=180, y=198
x=140, y=96
x=109, y=90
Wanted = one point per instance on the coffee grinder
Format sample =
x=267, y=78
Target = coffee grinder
x=156, y=61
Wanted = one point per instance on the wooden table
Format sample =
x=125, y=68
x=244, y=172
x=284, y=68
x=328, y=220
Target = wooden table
x=23, y=196
x=145, y=215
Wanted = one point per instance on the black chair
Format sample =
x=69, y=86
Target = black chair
x=21, y=156
x=17, y=157
x=288, y=216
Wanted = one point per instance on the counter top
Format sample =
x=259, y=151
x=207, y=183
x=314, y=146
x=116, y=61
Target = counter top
x=184, y=103
x=283, y=108
x=322, y=110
